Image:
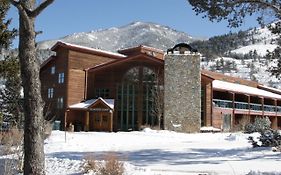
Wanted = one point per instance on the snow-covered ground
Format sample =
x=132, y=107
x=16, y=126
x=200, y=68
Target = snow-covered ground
x=152, y=152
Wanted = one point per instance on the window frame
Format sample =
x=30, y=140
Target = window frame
x=61, y=78
x=53, y=70
x=60, y=102
x=50, y=93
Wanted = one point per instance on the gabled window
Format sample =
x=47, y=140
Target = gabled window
x=53, y=70
x=50, y=92
x=61, y=78
x=60, y=103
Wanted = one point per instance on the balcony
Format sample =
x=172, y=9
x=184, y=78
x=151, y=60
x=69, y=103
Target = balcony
x=246, y=106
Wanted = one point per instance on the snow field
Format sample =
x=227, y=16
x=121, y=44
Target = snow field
x=152, y=152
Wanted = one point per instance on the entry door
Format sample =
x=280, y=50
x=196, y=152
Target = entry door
x=101, y=121
x=226, y=122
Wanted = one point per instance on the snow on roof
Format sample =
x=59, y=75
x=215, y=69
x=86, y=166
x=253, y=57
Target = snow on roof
x=209, y=129
x=142, y=46
x=217, y=84
x=270, y=88
x=92, y=49
x=88, y=103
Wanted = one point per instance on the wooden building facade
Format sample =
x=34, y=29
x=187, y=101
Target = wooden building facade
x=96, y=90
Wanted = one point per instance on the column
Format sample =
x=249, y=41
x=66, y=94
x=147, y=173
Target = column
x=87, y=120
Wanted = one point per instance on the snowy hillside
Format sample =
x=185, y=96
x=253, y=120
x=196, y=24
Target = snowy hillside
x=249, y=69
x=263, y=39
x=249, y=62
x=133, y=34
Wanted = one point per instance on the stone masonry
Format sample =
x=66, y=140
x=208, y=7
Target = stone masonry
x=182, y=109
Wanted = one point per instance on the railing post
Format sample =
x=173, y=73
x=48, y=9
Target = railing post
x=249, y=105
x=275, y=104
x=262, y=106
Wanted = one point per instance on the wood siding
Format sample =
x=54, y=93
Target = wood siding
x=49, y=80
x=77, y=63
x=75, y=86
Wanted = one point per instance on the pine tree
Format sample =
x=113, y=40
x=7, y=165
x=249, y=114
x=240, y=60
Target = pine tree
x=6, y=35
x=235, y=11
x=10, y=95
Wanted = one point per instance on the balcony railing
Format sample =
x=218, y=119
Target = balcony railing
x=246, y=106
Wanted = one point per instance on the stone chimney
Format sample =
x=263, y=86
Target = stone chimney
x=182, y=95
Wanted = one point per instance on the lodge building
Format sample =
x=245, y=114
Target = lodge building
x=96, y=90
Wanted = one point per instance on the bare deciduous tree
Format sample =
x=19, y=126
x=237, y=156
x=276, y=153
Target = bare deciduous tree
x=157, y=98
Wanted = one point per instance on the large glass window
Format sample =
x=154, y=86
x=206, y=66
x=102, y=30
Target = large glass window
x=135, y=98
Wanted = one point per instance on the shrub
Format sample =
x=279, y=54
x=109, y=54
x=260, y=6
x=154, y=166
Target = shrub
x=12, y=142
x=261, y=124
x=111, y=165
x=48, y=126
x=91, y=164
x=13, y=137
x=268, y=138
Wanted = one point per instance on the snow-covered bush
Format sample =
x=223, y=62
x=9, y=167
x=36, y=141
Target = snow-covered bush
x=261, y=124
x=268, y=138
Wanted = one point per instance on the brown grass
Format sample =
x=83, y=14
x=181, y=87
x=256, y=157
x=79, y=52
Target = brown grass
x=48, y=127
x=12, y=142
x=11, y=138
x=111, y=165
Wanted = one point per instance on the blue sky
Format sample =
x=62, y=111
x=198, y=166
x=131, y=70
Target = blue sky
x=65, y=17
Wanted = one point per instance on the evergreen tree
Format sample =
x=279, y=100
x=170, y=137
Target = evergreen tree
x=10, y=95
x=6, y=35
x=235, y=11
x=276, y=54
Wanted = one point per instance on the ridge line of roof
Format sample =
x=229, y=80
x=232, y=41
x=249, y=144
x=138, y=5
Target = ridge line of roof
x=122, y=60
x=87, y=48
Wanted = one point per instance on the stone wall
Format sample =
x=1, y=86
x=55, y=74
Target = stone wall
x=182, y=111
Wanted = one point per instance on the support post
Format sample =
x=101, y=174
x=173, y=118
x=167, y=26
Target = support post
x=87, y=121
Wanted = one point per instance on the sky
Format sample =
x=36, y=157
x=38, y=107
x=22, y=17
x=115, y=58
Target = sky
x=66, y=17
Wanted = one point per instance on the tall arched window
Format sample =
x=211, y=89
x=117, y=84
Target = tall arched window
x=134, y=98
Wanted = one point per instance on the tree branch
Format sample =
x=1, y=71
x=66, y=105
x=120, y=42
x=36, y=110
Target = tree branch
x=21, y=8
x=41, y=7
x=267, y=4
x=15, y=3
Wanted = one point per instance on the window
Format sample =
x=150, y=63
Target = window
x=50, y=92
x=53, y=70
x=102, y=92
x=61, y=78
x=60, y=103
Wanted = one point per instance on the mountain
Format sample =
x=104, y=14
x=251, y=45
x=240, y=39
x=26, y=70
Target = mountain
x=238, y=54
x=134, y=34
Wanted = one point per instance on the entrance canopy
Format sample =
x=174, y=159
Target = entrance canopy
x=93, y=103
x=92, y=115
